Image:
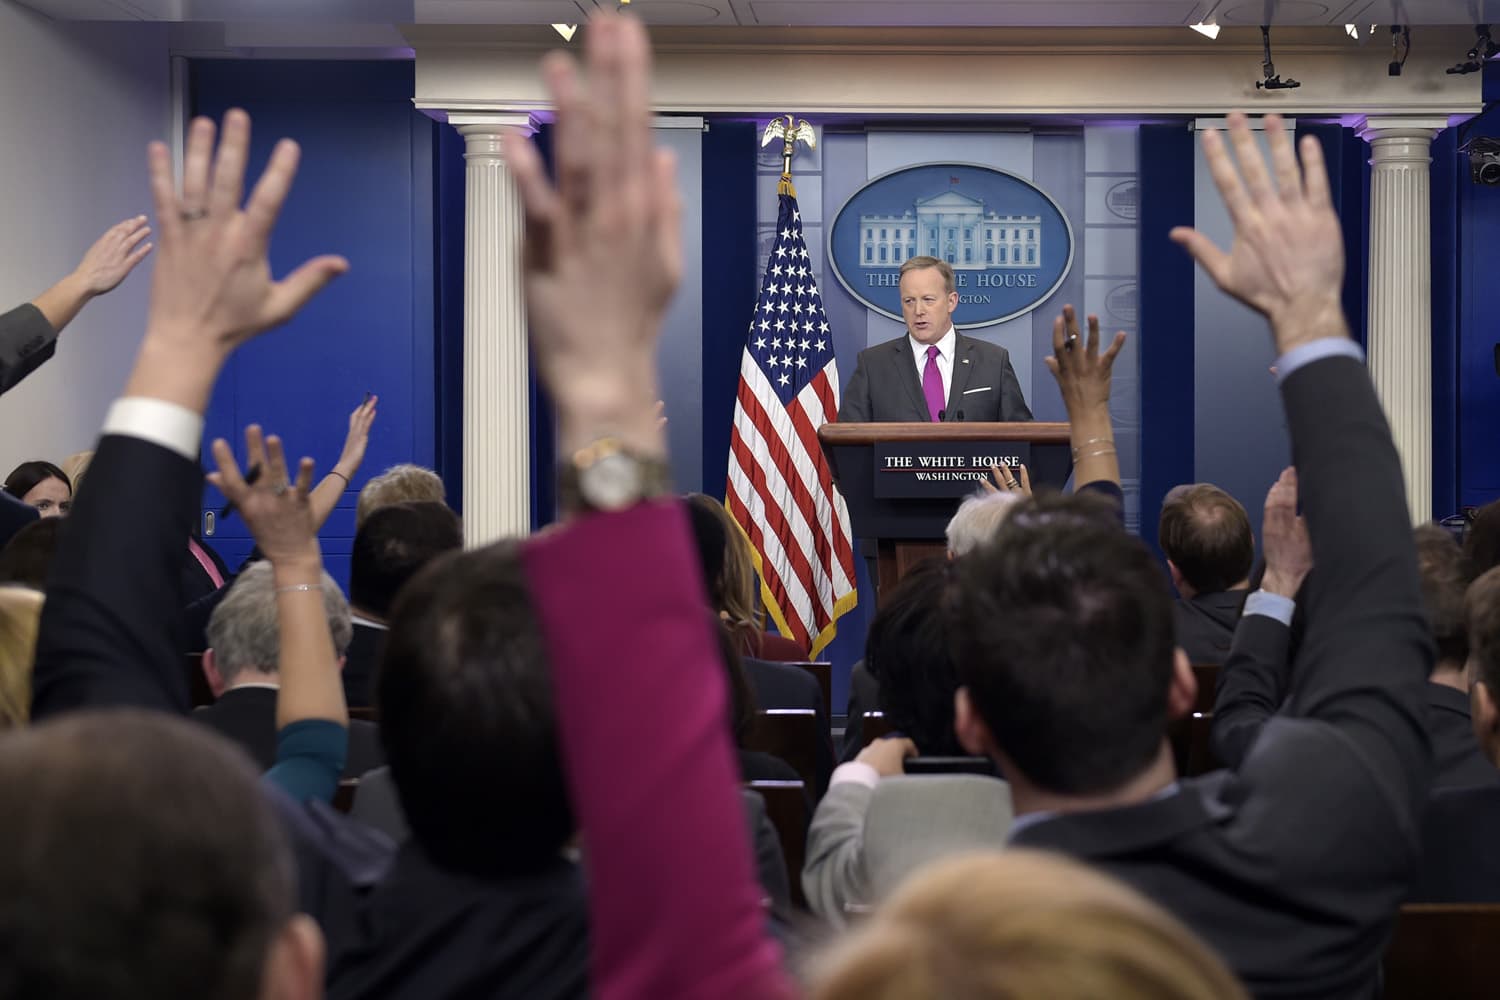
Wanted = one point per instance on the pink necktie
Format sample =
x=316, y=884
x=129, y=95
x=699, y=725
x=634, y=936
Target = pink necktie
x=932, y=384
x=206, y=561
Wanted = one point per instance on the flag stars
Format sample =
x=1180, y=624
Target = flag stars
x=802, y=362
x=822, y=345
x=784, y=380
x=765, y=325
x=781, y=251
x=760, y=343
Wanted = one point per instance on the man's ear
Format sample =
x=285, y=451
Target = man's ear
x=211, y=673
x=973, y=735
x=1177, y=581
x=1182, y=692
x=294, y=964
x=342, y=661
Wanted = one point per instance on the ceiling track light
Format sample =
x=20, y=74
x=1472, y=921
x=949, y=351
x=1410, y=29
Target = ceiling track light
x=566, y=30
x=1207, y=30
x=1268, y=68
x=1400, y=48
x=1484, y=49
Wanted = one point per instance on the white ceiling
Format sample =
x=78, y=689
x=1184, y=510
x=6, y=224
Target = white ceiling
x=792, y=13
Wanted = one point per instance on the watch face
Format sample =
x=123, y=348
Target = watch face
x=611, y=483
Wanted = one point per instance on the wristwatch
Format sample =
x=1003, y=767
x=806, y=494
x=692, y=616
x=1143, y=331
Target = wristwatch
x=605, y=475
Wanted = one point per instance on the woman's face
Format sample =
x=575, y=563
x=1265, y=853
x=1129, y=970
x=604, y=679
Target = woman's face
x=51, y=498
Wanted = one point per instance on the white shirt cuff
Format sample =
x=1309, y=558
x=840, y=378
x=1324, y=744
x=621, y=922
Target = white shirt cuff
x=859, y=774
x=1272, y=606
x=167, y=424
x=1316, y=350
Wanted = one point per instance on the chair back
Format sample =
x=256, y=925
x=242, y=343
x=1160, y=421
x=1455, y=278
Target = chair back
x=366, y=714
x=873, y=725
x=199, y=693
x=823, y=674
x=343, y=799
x=1192, y=744
x=1207, y=675
x=1443, y=950
x=791, y=734
x=786, y=807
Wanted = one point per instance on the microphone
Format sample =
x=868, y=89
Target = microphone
x=960, y=417
x=943, y=414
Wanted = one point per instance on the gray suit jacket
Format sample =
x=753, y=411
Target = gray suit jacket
x=864, y=841
x=885, y=387
x=26, y=340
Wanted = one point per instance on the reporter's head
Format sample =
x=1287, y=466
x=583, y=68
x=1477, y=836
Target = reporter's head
x=467, y=719
x=139, y=858
x=1061, y=628
x=1206, y=535
x=392, y=545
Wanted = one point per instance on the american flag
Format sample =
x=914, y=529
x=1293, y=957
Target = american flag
x=780, y=489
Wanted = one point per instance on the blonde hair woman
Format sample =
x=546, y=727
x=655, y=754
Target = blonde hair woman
x=20, y=611
x=1021, y=924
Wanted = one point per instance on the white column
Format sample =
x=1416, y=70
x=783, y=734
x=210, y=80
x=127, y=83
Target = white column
x=1400, y=302
x=497, y=433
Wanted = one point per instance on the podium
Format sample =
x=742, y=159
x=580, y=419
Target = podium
x=902, y=482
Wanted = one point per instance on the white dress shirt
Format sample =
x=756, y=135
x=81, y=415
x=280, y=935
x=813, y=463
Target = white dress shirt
x=945, y=347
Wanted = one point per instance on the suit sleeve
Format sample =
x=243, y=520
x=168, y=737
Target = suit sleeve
x=26, y=341
x=114, y=594
x=646, y=681
x=855, y=405
x=1252, y=685
x=833, y=874
x=1012, y=402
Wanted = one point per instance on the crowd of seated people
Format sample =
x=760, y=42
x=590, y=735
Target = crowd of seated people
x=550, y=766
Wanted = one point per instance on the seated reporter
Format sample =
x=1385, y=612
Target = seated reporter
x=42, y=485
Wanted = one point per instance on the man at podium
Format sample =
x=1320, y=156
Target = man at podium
x=934, y=373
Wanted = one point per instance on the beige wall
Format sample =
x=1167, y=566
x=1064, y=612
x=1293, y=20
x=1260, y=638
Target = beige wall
x=78, y=103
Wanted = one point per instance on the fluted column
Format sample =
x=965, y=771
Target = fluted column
x=1399, y=342
x=497, y=432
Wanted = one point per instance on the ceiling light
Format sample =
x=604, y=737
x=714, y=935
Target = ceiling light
x=1352, y=30
x=1210, y=30
x=566, y=30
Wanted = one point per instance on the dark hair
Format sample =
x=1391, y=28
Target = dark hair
x=467, y=716
x=27, y=557
x=1440, y=569
x=710, y=541
x=1482, y=542
x=1061, y=629
x=393, y=544
x=1206, y=533
x=1482, y=618
x=742, y=705
x=24, y=477
x=907, y=651
x=139, y=858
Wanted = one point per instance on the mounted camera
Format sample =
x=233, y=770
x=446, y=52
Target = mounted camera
x=1484, y=161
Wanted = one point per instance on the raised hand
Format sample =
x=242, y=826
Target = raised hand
x=358, y=439
x=1287, y=260
x=1284, y=536
x=603, y=253
x=1083, y=374
x=275, y=508
x=113, y=256
x=213, y=288
x=1006, y=481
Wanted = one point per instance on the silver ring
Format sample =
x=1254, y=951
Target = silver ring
x=281, y=489
x=192, y=214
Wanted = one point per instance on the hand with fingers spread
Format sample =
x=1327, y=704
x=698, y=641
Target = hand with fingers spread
x=1284, y=535
x=602, y=255
x=1083, y=377
x=212, y=288
x=1287, y=260
x=113, y=256
x=275, y=508
x=341, y=477
x=1007, y=481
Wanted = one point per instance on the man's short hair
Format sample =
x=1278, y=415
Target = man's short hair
x=1206, y=533
x=907, y=652
x=244, y=632
x=392, y=545
x=1482, y=616
x=1440, y=568
x=467, y=717
x=138, y=859
x=1482, y=542
x=1062, y=631
x=936, y=263
x=976, y=521
x=27, y=557
x=398, y=484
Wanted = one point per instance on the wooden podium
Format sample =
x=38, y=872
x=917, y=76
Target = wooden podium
x=902, y=482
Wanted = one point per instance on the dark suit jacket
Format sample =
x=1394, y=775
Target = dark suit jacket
x=782, y=685
x=360, y=661
x=247, y=716
x=1205, y=624
x=1457, y=761
x=26, y=341
x=885, y=386
x=1459, y=860
x=1293, y=866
